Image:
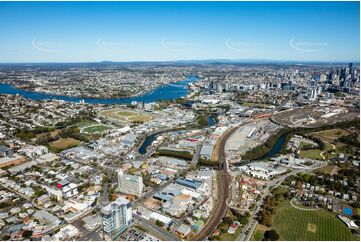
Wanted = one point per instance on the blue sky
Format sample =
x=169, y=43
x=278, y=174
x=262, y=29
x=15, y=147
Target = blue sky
x=160, y=31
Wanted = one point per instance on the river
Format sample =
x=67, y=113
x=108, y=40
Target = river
x=165, y=92
x=275, y=149
x=148, y=141
x=212, y=120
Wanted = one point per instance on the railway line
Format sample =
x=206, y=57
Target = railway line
x=223, y=195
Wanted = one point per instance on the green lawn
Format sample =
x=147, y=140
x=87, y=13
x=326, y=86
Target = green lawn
x=83, y=124
x=315, y=153
x=260, y=105
x=304, y=144
x=96, y=128
x=258, y=233
x=230, y=237
x=124, y=115
x=295, y=224
x=311, y=154
x=226, y=236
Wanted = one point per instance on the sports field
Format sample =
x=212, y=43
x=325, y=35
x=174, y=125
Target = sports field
x=95, y=128
x=126, y=116
x=296, y=224
x=83, y=124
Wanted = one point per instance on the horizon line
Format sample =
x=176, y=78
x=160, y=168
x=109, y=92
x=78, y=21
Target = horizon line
x=221, y=60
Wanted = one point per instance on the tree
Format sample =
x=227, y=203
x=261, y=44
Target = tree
x=159, y=223
x=271, y=235
x=27, y=233
x=202, y=120
x=5, y=237
x=227, y=220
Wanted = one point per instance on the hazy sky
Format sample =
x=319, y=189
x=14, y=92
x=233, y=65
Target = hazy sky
x=122, y=31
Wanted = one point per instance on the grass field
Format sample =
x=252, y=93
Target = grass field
x=52, y=133
x=259, y=232
x=332, y=134
x=329, y=138
x=304, y=144
x=250, y=104
x=84, y=124
x=125, y=113
x=295, y=224
x=315, y=153
x=62, y=144
x=329, y=169
x=126, y=116
x=96, y=128
x=229, y=237
x=140, y=118
x=311, y=154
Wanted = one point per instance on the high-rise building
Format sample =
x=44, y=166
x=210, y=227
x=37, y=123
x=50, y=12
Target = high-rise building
x=130, y=184
x=313, y=95
x=323, y=77
x=116, y=217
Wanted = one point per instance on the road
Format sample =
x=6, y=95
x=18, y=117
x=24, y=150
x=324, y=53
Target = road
x=196, y=155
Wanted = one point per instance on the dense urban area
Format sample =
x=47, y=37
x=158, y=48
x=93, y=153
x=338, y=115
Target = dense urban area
x=179, y=151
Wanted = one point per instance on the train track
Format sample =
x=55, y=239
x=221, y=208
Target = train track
x=223, y=190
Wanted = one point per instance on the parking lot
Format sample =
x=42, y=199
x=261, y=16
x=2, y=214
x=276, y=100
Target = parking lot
x=136, y=235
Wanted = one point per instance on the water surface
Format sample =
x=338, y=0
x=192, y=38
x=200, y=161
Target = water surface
x=165, y=92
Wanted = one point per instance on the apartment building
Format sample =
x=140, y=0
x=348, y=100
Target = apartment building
x=130, y=184
x=116, y=217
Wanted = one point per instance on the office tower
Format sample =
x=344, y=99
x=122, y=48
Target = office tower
x=216, y=86
x=352, y=73
x=130, y=184
x=116, y=217
x=313, y=94
x=219, y=87
x=211, y=84
x=323, y=77
x=320, y=89
x=344, y=73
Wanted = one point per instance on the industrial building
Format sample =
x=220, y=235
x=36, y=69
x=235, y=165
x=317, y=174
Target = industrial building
x=262, y=170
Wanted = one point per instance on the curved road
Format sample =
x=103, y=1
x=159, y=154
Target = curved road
x=300, y=208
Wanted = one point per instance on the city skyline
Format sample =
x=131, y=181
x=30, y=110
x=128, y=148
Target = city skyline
x=173, y=31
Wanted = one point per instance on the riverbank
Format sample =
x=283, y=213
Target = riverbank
x=162, y=93
x=277, y=143
x=148, y=140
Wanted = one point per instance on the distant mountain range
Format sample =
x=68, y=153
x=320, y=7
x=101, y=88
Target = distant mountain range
x=205, y=61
